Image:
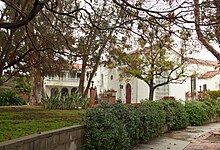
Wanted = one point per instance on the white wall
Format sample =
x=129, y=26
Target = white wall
x=143, y=90
x=177, y=90
x=212, y=83
x=140, y=90
x=198, y=70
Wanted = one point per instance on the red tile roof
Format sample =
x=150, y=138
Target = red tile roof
x=77, y=66
x=202, y=62
x=209, y=74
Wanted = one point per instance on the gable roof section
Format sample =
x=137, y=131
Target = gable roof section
x=209, y=74
x=202, y=62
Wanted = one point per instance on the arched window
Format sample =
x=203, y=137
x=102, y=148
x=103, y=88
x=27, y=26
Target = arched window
x=128, y=93
x=74, y=91
x=64, y=91
x=111, y=77
x=54, y=92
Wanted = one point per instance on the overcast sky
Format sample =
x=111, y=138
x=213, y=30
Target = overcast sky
x=203, y=54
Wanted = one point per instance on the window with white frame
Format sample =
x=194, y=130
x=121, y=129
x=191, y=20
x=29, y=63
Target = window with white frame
x=162, y=90
x=102, y=79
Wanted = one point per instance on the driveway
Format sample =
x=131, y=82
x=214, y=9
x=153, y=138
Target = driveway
x=177, y=140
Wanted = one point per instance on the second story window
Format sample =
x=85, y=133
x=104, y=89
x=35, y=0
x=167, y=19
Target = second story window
x=111, y=77
x=102, y=79
x=73, y=75
x=88, y=75
x=193, y=84
x=204, y=87
x=78, y=75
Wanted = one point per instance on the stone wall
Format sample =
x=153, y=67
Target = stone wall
x=69, y=138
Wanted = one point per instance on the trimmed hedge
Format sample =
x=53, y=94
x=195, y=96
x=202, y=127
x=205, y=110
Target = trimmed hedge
x=176, y=115
x=214, y=95
x=120, y=126
x=199, y=112
x=104, y=130
x=130, y=119
x=217, y=109
x=153, y=117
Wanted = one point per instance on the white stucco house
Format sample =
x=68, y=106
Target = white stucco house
x=203, y=75
x=200, y=75
x=131, y=90
x=66, y=83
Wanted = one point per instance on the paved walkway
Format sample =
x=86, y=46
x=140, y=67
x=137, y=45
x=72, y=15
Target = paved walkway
x=192, y=138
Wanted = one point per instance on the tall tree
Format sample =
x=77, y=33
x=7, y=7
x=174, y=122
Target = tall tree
x=154, y=61
x=195, y=15
x=207, y=24
x=24, y=15
x=95, y=42
x=34, y=47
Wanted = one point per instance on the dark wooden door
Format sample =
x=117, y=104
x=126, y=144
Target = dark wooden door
x=128, y=94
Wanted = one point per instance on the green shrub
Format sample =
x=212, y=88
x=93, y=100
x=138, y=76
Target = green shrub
x=153, y=117
x=8, y=98
x=129, y=117
x=213, y=94
x=209, y=100
x=104, y=131
x=197, y=112
x=118, y=126
x=53, y=102
x=22, y=85
x=217, y=109
x=176, y=116
x=210, y=109
x=65, y=102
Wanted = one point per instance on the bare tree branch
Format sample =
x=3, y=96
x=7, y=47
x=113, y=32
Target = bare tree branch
x=37, y=6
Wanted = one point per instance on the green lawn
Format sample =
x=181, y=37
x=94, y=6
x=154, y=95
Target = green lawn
x=25, y=120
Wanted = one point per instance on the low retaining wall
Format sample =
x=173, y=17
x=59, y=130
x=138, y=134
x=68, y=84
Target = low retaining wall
x=69, y=138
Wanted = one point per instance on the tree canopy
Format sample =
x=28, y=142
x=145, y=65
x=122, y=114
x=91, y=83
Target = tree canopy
x=44, y=36
x=155, y=60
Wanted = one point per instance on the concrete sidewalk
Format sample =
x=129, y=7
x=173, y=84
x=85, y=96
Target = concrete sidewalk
x=183, y=139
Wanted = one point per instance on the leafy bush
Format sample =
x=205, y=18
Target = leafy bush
x=213, y=94
x=8, y=98
x=65, y=102
x=208, y=99
x=104, y=130
x=118, y=126
x=210, y=109
x=153, y=117
x=197, y=112
x=217, y=109
x=176, y=116
x=129, y=117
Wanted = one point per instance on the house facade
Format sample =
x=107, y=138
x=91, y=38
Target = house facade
x=203, y=75
x=199, y=76
x=65, y=83
x=131, y=89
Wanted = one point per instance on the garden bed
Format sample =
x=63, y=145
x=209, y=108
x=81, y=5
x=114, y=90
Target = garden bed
x=18, y=121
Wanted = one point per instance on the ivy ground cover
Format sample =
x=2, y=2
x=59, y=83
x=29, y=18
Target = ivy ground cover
x=20, y=121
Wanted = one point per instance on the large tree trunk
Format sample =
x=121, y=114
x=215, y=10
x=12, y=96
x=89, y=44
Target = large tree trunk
x=90, y=79
x=37, y=7
x=217, y=27
x=151, y=92
x=83, y=73
x=36, y=87
x=200, y=35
